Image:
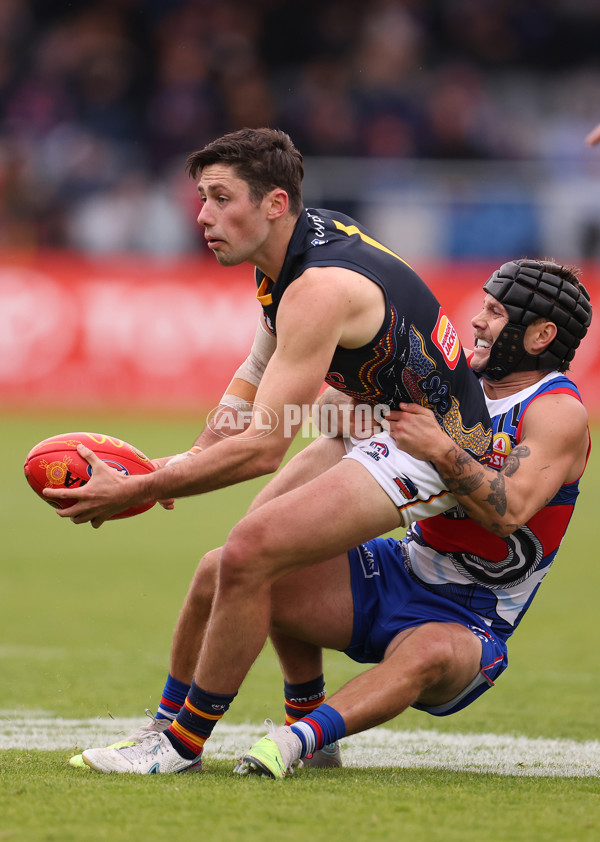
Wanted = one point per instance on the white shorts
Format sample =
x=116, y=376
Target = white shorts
x=415, y=487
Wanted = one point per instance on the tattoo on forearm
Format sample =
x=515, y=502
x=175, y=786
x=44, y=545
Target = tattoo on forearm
x=466, y=476
x=463, y=475
x=462, y=479
x=497, y=497
x=513, y=460
x=495, y=528
x=499, y=528
x=463, y=486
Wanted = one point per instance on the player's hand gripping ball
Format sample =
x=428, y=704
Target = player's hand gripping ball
x=55, y=463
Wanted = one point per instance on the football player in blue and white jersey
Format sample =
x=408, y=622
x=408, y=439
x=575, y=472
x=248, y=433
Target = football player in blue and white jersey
x=474, y=568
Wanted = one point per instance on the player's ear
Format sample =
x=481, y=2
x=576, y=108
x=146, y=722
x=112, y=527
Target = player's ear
x=539, y=336
x=277, y=203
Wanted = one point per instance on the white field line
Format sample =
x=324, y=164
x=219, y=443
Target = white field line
x=498, y=754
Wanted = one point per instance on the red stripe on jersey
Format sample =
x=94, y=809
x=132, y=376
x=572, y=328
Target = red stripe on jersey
x=461, y=536
x=466, y=536
x=550, y=524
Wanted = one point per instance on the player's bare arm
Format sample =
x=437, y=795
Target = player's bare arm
x=552, y=451
x=235, y=407
x=234, y=411
x=229, y=418
x=232, y=415
x=307, y=337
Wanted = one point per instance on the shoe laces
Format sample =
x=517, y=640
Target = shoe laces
x=150, y=744
x=156, y=724
x=284, y=741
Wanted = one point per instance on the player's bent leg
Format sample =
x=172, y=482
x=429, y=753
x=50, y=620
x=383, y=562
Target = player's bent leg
x=191, y=624
x=427, y=665
x=193, y=617
x=321, y=519
x=430, y=664
x=194, y=614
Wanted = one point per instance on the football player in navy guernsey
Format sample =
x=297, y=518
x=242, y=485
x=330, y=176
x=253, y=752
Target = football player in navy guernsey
x=345, y=309
x=463, y=578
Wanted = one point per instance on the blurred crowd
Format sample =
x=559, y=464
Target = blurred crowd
x=102, y=100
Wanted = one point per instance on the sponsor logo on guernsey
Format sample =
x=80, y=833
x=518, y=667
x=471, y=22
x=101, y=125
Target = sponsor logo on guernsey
x=446, y=338
x=501, y=448
x=319, y=226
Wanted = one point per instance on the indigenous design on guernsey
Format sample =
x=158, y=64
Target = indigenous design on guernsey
x=420, y=376
x=416, y=355
x=443, y=553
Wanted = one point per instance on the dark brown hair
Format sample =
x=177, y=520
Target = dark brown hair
x=264, y=158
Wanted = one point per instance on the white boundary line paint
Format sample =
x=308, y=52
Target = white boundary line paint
x=482, y=753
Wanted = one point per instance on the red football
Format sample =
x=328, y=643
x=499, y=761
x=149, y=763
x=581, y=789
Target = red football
x=55, y=463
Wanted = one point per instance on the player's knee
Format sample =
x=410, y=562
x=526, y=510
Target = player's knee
x=444, y=669
x=440, y=658
x=432, y=661
x=204, y=582
x=243, y=557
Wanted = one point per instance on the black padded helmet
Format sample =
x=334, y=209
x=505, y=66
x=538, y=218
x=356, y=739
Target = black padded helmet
x=533, y=289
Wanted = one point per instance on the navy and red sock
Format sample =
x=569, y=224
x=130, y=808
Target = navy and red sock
x=195, y=721
x=301, y=699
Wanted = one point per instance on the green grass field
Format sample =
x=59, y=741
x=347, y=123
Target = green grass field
x=85, y=629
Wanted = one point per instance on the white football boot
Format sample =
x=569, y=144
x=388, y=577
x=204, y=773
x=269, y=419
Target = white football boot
x=154, y=755
x=155, y=726
x=328, y=757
